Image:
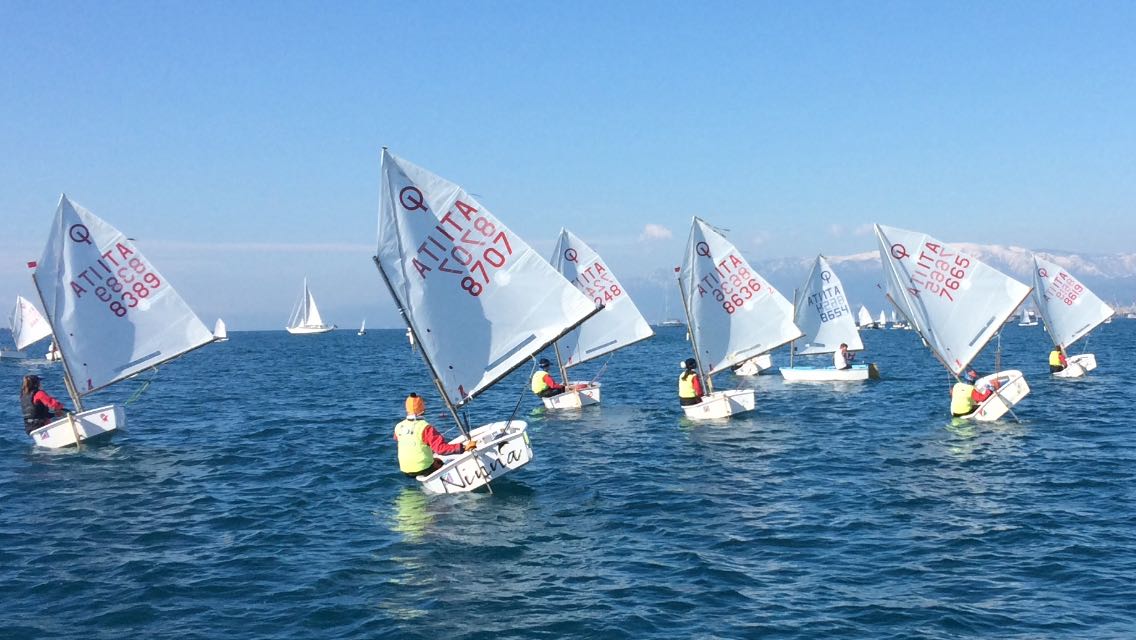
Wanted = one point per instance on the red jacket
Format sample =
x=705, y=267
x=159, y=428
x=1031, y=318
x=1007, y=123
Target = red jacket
x=41, y=397
x=548, y=380
x=437, y=442
x=696, y=382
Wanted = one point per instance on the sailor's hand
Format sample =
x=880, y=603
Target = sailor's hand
x=469, y=445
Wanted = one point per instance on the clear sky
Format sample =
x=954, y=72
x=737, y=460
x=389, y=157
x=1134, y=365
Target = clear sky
x=239, y=141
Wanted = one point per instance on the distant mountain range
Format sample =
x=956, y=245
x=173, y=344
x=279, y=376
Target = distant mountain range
x=1112, y=277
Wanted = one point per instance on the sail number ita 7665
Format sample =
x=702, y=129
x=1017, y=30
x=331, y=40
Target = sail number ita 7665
x=118, y=278
x=469, y=245
x=938, y=271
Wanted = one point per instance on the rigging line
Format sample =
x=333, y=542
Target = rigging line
x=145, y=385
x=599, y=373
x=521, y=396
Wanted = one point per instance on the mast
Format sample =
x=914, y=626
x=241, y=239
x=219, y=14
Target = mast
x=793, y=342
x=67, y=380
x=693, y=340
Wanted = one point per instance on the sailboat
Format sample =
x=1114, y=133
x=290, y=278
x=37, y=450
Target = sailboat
x=956, y=303
x=1028, y=319
x=479, y=302
x=363, y=327
x=864, y=318
x=1069, y=310
x=306, y=316
x=882, y=322
x=733, y=315
x=28, y=327
x=220, y=333
x=113, y=316
x=822, y=313
x=619, y=324
x=668, y=320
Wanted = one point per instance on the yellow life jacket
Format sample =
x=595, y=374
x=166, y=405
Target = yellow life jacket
x=962, y=402
x=538, y=384
x=686, y=385
x=1055, y=358
x=413, y=453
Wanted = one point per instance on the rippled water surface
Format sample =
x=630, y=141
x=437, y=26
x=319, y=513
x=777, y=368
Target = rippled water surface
x=255, y=494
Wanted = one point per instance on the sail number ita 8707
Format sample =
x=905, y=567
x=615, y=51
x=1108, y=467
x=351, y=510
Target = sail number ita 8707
x=118, y=278
x=469, y=245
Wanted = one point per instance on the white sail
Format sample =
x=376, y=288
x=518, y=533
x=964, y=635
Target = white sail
x=823, y=314
x=618, y=325
x=956, y=302
x=882, y=321
x=864, y=317
x=479, y=299
x=312, y=316
x=112, y=312
x=1068, y=308
x=28, y=324
x=363, y=327
x=305, y=316
x=219, y=330
x=734, y=313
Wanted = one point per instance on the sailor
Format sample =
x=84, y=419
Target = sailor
x=842, y=359
x=37, y=405
x=543, y=384
x=1057, y=361
x=965, y=398
x=418, y=441
x=689, y=383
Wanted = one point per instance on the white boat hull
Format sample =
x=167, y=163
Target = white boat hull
x=830, y=374
x=88, y=425
x=1078, y=366
x=323, y=328
x=1013, y=388
x=721, y=404
x=582, y=394
x=501, y=448
x=755, y=365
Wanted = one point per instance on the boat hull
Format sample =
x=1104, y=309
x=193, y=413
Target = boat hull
x=1013, y=388
x=307, y=330
x=722, y=404
x=830, y=374
x=501, y=448
x=582, y=394
x=1078, y=366
x=754, y=365
x=89, y=425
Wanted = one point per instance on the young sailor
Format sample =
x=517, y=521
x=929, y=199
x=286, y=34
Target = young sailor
x=543, y=384
x=842, y=359
x=418, y=441
x=965, y=398
x=1057, y=361
x=37, y=405
x=689, y=383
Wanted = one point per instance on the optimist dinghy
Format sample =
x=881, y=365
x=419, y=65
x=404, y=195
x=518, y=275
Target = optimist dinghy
x=957, y=304
x=733, y=314
x=1070, y=311
x=478, y=301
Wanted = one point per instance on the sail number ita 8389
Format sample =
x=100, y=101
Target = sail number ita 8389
x=118, y=278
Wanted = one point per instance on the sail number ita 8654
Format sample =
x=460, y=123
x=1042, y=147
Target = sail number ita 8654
x=469, y=245
x=118, y=278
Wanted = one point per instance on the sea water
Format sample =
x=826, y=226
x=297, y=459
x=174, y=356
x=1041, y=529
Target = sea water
x=255, y=494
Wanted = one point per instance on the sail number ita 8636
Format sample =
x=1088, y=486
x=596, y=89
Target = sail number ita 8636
x=118, y=278
x=468, y=245
x=731, y=284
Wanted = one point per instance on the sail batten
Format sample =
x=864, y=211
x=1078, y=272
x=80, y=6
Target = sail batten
x=467, y=285
x=109, y=308
x=956, y=302
x=619, y=325
x=733, y=312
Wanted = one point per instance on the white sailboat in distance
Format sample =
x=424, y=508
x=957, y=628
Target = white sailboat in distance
x=957, y=304
x=220, y=333
x=28, y=325
x=620, y=324
x=363, y=327
x=1069, y=310
x=113, y=316
x=821, y=311
x=306, y=317
x=864, y=318
x=479, y=302
x=733, y=313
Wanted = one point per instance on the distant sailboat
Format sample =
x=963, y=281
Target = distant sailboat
x=105, y=335
x=821, y=311
x=882, y=322
x=733, y=315
x=668, y=320
x=306, y=316
x=956, y=303
x=220, y=333
x=1028, y=319
x=1070, y=311
x=864, y=318
x=619, y=324
x=363, y=327
x=479, y=301
x=28, y=327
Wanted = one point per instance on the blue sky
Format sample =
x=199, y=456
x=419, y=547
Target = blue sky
x=239, y=142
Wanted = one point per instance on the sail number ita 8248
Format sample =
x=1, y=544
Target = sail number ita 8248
x=468, y=245
x=118, y=278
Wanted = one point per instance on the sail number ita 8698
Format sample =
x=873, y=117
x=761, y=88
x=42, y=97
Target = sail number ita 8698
x=471, y=251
